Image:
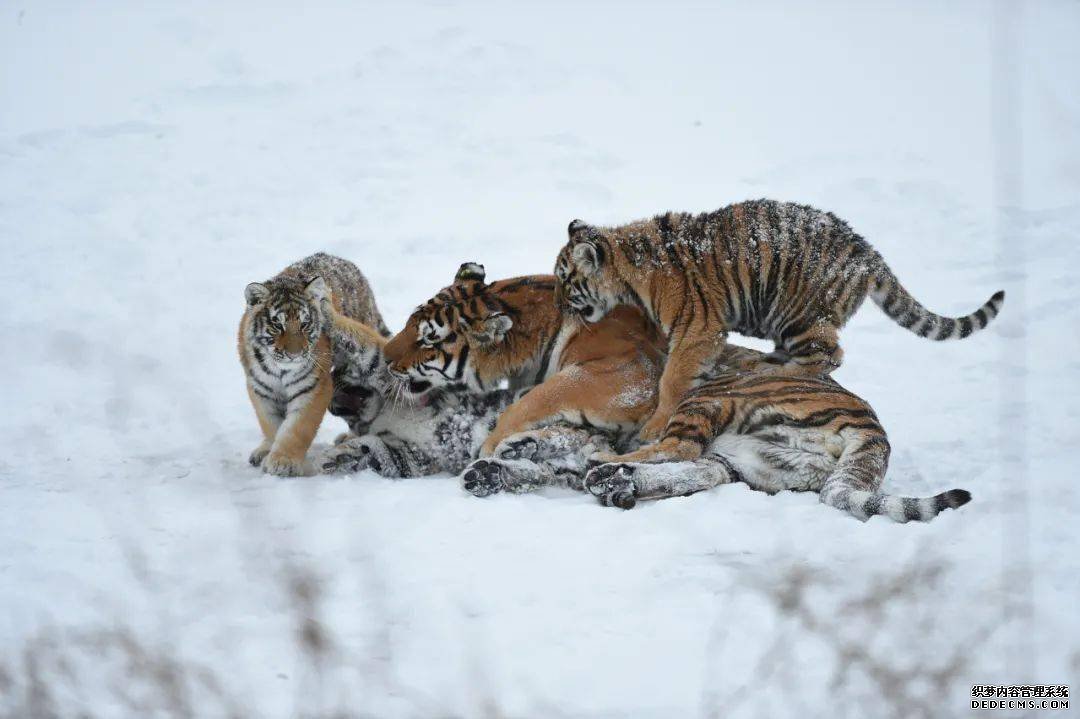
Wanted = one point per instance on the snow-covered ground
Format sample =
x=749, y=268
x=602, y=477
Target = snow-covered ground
x=156, y=158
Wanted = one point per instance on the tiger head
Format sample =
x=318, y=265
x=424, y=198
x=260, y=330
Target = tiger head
x=358, y=376
x=443, y=337
x=287, y=317
x=585, y=283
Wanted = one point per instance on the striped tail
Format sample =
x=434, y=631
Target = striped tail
x=908, y=312
x=862, y=504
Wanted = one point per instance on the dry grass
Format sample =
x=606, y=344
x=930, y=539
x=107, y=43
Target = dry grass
x=886, y=646
x=869, y=639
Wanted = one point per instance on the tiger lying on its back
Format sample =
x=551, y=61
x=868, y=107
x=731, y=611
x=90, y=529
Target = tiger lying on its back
x=772, y=432
x=445, y=432
x=286, y=355
x=767, y=269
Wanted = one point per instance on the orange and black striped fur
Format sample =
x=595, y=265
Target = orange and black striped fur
x=776, y=270
x=476, y=335
x=446, y=431
x=773, y=432
x=286, y=353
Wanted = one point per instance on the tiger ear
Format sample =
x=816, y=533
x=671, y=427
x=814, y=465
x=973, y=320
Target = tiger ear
x=491, y=330
x=470, y=272
x=255, y=293
x=586, y=257
x=576, y=226
x=318, y=290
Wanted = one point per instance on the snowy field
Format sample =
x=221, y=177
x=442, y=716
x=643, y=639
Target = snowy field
x=156, y=158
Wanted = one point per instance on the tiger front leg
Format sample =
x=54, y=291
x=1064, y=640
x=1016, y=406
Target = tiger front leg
x=566, y=393
x=270, y=418
x=688, y=355
x=813, y=353
x=288, y=453
x=692, y=428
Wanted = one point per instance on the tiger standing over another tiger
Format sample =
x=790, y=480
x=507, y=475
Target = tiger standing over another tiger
x=286, y=352
x=767, y=269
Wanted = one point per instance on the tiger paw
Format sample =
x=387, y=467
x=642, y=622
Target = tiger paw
x=518, y=448
x=259, y=454
x=346, y=457
x=613, y=485
x=344, y=437
x=283, y=466
x=482, y=478
x=360, y=453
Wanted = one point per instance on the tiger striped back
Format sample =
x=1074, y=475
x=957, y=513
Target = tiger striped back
x=775, y=270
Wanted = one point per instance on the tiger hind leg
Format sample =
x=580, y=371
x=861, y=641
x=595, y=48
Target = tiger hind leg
x=549, y=456
x=854, y=487
x=550, y=442
x=668, y=449
x=579, y=395
x=693, y=426
x=624, y=484
x=485, y=477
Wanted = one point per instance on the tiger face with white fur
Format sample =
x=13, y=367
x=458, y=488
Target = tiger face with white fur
x=461, y=338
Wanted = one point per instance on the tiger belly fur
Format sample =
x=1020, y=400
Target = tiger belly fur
x=443, y=431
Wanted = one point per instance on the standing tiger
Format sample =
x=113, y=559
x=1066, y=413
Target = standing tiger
x=768, y=269
x=286, y=353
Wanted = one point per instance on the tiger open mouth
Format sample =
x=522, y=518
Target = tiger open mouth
x=418, y=386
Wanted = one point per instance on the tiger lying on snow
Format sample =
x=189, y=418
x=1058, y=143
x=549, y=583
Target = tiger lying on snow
x=443, y=431
x=770, y=431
